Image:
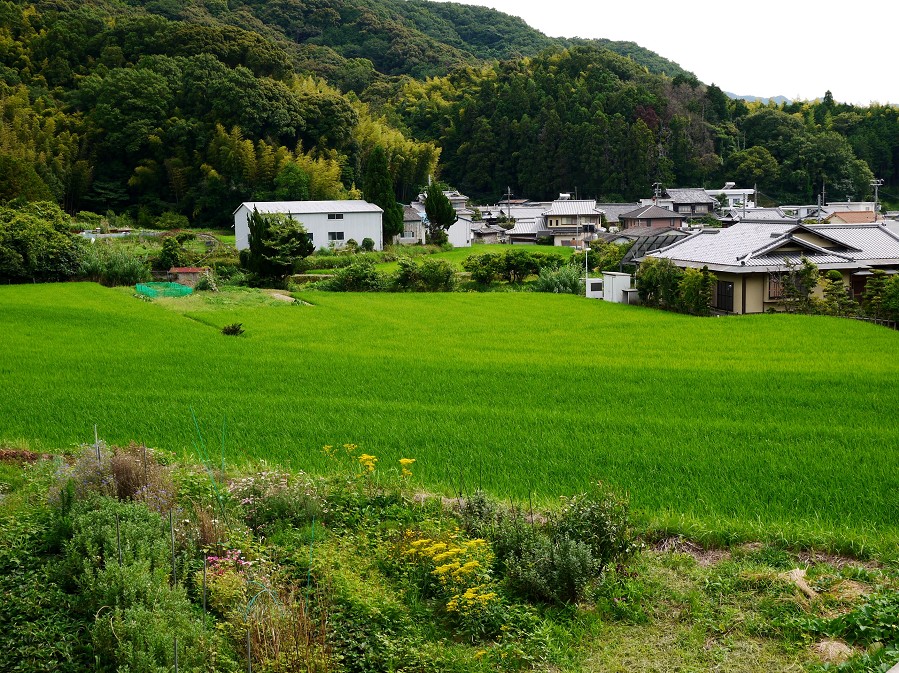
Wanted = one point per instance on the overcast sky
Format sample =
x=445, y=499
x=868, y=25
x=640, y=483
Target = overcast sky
x=760, y=48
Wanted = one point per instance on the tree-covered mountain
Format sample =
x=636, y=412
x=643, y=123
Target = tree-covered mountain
x=192, y=106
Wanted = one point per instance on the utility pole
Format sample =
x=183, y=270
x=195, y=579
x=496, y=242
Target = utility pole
x=876, y=183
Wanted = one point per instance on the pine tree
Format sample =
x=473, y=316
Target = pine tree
x=440, y=212
x=872, y=299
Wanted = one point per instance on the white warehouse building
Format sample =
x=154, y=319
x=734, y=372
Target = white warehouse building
x=328, y=222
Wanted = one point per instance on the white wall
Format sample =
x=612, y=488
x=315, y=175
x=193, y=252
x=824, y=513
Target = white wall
x=353, y=225
x=459, y=234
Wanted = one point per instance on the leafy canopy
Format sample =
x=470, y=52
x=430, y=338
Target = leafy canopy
x=277, y=242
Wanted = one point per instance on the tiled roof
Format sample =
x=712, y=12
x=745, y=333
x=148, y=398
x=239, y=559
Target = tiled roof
x=853, y=216
x=637, y=232
x=573, y=207
x=301, y=207
x=613, y=211
x=689, y=196
x=526, y=226
x=411, y=215
x=757, y=245
x=760, y=215
x=651, y=213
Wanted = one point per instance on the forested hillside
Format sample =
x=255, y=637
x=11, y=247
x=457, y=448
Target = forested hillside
x=191, y=107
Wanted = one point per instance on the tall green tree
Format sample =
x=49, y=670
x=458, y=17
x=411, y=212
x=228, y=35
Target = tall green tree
x=378, y=189
x=440, y=212
x=277, y=243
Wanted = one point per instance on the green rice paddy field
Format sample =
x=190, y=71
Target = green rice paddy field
x=771, y=426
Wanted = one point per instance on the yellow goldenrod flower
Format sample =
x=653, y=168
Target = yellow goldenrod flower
x=367, y=461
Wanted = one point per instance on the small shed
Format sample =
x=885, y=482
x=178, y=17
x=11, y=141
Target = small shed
x=187, y=275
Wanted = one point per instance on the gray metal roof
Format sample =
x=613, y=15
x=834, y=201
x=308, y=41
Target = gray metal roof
x=301, y=207
x=757, y=246
x=573, y=207
x=689, y=196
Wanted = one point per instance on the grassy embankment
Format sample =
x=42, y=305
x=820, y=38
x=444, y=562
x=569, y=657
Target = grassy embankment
x=457, y=255
x=762, y=427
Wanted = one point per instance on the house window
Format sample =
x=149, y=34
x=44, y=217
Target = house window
x=335, y=216
x=724, y=298
x=775, y=286
x=335, y=235
x=408, y=234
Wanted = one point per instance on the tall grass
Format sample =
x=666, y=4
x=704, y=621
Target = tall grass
x=773, y=426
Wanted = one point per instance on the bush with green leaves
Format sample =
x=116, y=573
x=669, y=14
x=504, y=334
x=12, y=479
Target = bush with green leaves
x=427, y=275
x=564, y=280
x=367, y=244
x=276, y=242
x=360, y=276
x=484, y=268
x=837, y=299
x=556, y=560
x=36, y=244
x=694, y=291
x=206, y=283
x=172, y=254
x=657, y=283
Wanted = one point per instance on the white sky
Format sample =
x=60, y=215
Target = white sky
x=760, y=48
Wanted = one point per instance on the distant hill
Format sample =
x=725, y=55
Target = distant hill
x=420, y=38
x=779, y=100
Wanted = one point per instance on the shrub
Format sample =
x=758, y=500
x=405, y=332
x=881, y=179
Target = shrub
x=518, y=264
x=360, y=276
x=169, y=220
x=695, y=291
x=657, y=282
x=600, y=519
x=429, y=275
x=484, y=268
x=555, y=561
x=564, y=280
x=547, y=260
x=206, y=283
x=367, y=245
x=35, y=244
x=234, y=329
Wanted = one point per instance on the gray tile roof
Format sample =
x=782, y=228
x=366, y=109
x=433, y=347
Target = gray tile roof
x=689, y=196
x=652, y=213
x=526, y=226
x=757, y=246
x=759, y=215
x=614, y=210
x=573, y=207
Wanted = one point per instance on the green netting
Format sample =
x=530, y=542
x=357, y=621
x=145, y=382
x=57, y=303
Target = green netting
x=163, y=289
